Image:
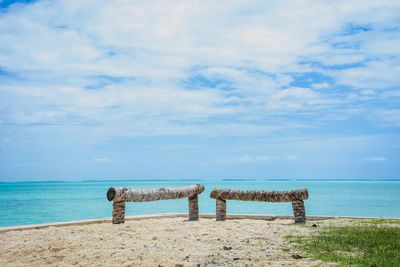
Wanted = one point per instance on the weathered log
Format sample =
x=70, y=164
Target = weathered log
x=221, y=210
x=118, y=213
x=121, y=195
x=194, y=208
x=259, y=195
x=152, y=194
x=299, y=211
x=297, y=198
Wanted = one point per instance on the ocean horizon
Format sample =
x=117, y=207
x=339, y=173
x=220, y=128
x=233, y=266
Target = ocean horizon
x=35, y=202
x=215, y=180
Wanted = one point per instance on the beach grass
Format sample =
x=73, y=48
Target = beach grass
x=353, y=245
x=381, y=221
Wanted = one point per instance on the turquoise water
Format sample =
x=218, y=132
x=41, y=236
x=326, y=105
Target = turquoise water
x=43, y=202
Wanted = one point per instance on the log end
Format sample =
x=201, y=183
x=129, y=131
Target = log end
x=200, y=188
x=215, y=193
x=111, y=193
x=305, y=196
x=301, y=194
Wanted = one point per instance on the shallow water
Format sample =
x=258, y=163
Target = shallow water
x=41, y=202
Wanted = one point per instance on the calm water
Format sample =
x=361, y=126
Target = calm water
x=42, y=202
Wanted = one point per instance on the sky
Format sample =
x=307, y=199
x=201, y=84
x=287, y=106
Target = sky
x=199, y=90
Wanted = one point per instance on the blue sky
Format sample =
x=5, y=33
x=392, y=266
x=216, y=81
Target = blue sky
x=199, y=90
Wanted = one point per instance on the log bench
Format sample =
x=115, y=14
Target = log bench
x=122, y=195
x=297, y=198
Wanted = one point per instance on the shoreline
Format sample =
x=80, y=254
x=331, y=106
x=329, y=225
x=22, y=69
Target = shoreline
x=266, y=217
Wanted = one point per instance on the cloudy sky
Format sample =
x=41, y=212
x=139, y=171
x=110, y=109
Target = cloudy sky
x=199, y=90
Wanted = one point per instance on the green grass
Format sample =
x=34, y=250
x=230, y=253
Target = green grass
x=354, y=246
x=381, y=221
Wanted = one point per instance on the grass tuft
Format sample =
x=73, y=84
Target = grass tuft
x=354, y=245
x=381, y=221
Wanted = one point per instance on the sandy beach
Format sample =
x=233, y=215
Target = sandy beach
x=161, y=242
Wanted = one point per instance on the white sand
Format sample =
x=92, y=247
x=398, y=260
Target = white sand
x=159, y=242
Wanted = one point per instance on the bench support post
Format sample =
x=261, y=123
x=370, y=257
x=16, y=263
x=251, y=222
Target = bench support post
x=118, y=213
x=193, y=208
x=299, y=211
x=221, y=210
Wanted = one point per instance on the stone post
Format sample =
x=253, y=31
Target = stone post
x=221, y=210
x=299, y=211
x=118, y=213
x=193, y=208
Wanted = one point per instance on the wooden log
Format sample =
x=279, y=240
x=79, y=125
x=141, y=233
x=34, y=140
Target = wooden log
x=299, y=211
x=153, y=194
x=259, y=195
x=121, y=195
x=194, y=208
x=221, y=210
x=118, y=213
x=297, y=198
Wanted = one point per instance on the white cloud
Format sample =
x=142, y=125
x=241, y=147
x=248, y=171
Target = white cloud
x=376, y=158
x=292, y=157
x=101, y=159
x=387, y=117
x=246, y=159
x=380, y=74
x=322, y=85
x=58, y=50
x=296, y=98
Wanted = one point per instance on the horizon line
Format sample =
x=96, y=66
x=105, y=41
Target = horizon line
x=203, y=180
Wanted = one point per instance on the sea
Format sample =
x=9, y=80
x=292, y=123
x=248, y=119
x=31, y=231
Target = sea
x=24, y=203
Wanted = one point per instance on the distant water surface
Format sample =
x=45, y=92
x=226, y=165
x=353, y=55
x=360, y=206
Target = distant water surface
x=24, y=203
